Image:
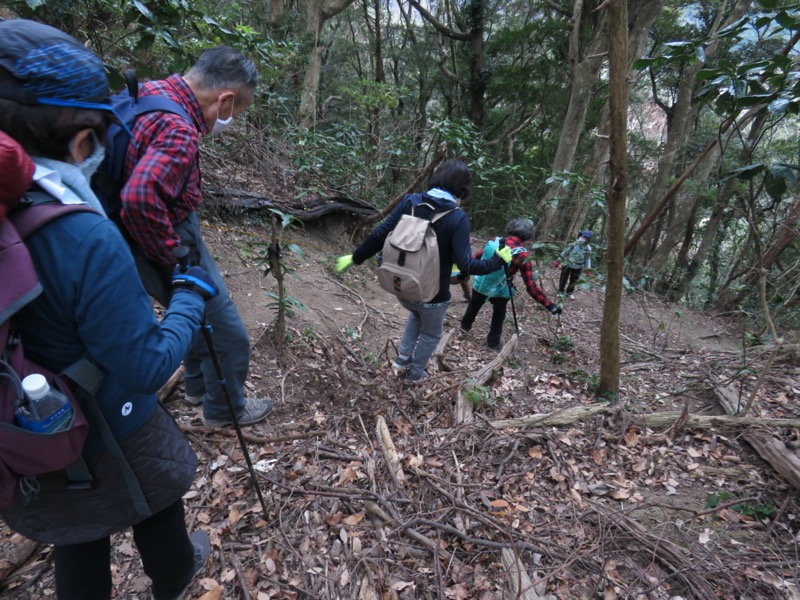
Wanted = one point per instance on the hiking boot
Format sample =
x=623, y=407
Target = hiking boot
x=402, y=364
x=202, y=548
x=494, y=344
x=194, y=400
x=412, y=378
x=254, y=411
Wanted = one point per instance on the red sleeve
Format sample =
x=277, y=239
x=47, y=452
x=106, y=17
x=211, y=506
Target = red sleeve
x=519, y=263
x=158, y=178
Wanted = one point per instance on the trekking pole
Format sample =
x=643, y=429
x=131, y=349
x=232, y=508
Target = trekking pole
x=510, y=289
x=182, y=254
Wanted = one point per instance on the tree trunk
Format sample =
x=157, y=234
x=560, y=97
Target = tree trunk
x=683, y=211
x=597, y=166
x=683, y=112
x=317, y=13
x=585, y=66
x=618, y=174
x=787, y=233
x=471, y=29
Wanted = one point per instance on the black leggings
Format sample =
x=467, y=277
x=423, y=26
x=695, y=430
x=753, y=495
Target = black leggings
x=83, y=571
x=570, y=275
x=499, y=308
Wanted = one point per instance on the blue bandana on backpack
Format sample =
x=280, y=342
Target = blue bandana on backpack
x=494, y=285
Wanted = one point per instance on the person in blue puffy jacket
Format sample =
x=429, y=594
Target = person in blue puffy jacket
x=54, y=101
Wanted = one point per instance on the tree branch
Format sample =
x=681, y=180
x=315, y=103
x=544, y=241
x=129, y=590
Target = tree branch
x=438, y=25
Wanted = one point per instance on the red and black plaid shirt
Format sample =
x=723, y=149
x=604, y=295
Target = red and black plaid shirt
x=519, y=264
x=163, y=185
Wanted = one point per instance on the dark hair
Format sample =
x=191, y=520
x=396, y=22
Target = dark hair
x=522, y=228
x=224, y=67
x=453, y=176
x=47, y=130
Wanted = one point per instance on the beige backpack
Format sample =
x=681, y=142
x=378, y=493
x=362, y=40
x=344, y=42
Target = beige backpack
x=410, y=265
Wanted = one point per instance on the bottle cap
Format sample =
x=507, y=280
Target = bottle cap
x=35, y=386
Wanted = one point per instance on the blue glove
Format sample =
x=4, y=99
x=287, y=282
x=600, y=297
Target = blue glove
x=195, y=280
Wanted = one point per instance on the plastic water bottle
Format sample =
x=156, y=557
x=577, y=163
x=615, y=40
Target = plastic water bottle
x=46, y=410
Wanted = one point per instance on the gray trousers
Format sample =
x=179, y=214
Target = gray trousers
x=230, y=337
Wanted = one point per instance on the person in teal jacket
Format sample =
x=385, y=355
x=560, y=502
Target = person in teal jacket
x=572, y=260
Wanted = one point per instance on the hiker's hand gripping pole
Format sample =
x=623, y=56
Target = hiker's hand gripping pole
x=181, y=254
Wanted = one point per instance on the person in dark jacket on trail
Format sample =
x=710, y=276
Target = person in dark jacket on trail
x=54, y=101
x=449, y=184
x=572, y=260
x=497, y=292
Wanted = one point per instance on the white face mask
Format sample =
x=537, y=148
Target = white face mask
x=221, y=125
x=90, y=164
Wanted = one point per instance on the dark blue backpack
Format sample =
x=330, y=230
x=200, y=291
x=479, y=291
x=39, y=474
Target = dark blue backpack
x=109, y=179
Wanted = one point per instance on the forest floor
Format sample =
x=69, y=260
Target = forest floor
x=593, y=503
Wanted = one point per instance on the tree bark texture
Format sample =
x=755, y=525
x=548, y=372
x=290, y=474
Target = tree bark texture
x=317, y=13
x=618, y=174
x=597, y=166
x=584, y=62
x=682, y=114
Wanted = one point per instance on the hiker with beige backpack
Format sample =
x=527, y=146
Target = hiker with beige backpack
x=419, y=242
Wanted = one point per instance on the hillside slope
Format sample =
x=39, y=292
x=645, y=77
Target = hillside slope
x=600, y=505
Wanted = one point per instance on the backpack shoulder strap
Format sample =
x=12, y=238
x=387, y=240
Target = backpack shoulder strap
x=38, y=209
x=438, y=216
x=158, y=103
x=418, y=205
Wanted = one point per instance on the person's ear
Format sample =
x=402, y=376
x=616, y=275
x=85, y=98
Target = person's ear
x=81, y=146
x=226, y=104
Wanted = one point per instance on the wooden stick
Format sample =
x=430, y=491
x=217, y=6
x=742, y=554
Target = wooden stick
x=173, y=381
x=521, y=586
x=385, y=438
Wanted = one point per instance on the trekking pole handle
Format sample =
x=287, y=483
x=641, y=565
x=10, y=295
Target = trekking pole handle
x=181, y=254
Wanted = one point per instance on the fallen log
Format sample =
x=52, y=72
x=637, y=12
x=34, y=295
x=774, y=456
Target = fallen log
x=727, y=395
x=15, y=552
x=172, y=382
x=775, y=452
x=385, y=438
x=652, y=420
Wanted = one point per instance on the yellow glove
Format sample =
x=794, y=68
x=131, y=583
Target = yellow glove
x=505, y=254
x=343, y=262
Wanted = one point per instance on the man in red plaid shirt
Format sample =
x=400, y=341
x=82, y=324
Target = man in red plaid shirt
x=495, y=288
x=159, y=211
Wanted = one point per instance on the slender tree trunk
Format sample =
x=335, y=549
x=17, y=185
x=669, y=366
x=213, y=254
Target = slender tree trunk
x=681, y=216
x=585, y=63
x=680, y=284
x=317, y=13
x=788, y=231
x=618, y=174
x=597, y=166
x=682, y=112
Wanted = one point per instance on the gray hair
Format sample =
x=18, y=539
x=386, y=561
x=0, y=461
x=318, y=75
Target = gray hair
x=522, y=228
x=223, y=67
